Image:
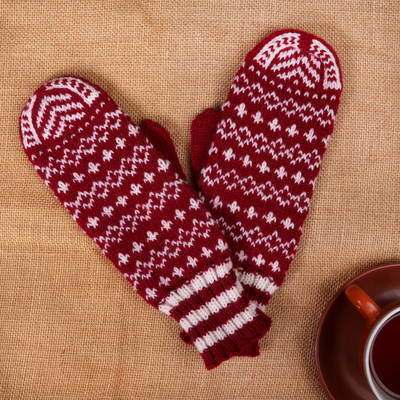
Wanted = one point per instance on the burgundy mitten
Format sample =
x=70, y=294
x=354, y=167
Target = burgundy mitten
x=257, y=160
x=145, y=218
x=161, y=140
x=202, y=132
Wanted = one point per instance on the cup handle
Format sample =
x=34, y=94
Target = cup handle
x=367, y=307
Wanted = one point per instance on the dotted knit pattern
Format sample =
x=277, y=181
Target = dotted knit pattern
x=141, y=213
x=258, y=160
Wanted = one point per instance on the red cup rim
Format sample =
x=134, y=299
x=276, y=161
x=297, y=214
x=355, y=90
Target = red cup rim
x=325, y=312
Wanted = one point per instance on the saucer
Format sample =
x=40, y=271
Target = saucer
x=339, y=331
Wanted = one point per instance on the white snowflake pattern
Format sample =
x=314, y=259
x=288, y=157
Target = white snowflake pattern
x=62, y=187
x=274, y=125
x=241, y=108
x=259, y=260
x=258, y=118
x=281, y=172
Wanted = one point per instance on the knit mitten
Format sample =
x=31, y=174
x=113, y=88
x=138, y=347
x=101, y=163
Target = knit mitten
x=144, y=217
x=257, y=161
x=161, y=140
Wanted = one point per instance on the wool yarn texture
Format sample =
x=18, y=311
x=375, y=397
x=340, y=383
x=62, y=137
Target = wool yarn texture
x=256, y=161
x=162, y=141
x=142, y=214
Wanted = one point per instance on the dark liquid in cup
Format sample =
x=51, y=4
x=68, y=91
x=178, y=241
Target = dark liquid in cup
x=385, y=360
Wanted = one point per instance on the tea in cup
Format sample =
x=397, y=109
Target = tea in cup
x=379, y=348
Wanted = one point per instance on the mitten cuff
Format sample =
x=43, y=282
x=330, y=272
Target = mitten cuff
x=216, y=314
x=259, y=288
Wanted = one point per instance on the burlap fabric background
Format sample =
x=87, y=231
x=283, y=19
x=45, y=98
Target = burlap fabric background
x=70, y=326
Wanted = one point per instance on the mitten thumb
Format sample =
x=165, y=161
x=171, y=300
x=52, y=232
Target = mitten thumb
x=161, y=140
x=204, y=126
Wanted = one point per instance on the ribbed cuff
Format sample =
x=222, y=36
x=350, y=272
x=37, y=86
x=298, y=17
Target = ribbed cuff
x=253, y=351
x=258, y=288
x=217, y=314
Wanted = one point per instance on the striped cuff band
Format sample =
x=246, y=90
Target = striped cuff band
x=216, y=314
x=259, y=288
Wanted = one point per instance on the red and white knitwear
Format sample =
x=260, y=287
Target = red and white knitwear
x=144, y=217
x=257, y=161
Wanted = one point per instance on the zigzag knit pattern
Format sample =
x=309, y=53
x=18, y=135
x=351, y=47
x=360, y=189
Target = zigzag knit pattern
x=257, y=161
x=144, y=217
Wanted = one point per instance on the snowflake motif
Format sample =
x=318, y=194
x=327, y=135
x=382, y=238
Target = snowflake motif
x=107, y=155
x=234, y=207
x=93, y=168
x=247, y=161
x=281, y=172
x=178, y=272
x=78, y=177
x=206, y=252
x=93, y=222
x=298, y=178
x=259, y=260
x=241, y=110
x=292, y=130
x=151, y=236
x=274, y=266
x=120, y=143
x=136, y=189
x=270, y=217
x=192, y=261
x=149, y=177
x=107, y=211
x=217, y=203
x=310, y=135
x=258, y=118
x=251, y=213
x=123, y=259
x=222, y=246
x=136, y=247
x=133, y=130
x=263, y=167
x=194, y=204
x=274, y=125
x=164, y=281
x=241, y=256
x=163, y=165
x=62, y=187
x=287, y=223
x=122, y=201
x=166, y=225
x=151, y=293
x=229, y=154
x=180, y=215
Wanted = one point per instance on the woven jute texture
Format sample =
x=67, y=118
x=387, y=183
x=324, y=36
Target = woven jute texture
x=71, y=327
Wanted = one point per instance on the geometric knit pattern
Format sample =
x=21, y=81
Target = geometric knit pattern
x=162, y=141
x=258, y=160
x=144, y=217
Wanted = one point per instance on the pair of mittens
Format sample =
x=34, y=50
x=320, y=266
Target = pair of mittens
x=211, y=262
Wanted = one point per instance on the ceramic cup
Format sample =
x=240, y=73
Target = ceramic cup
x=380, y=333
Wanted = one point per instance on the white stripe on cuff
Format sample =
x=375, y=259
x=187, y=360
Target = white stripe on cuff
x=229, y=328
x=212, y=307
x=199, y=282
x=261, y=283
